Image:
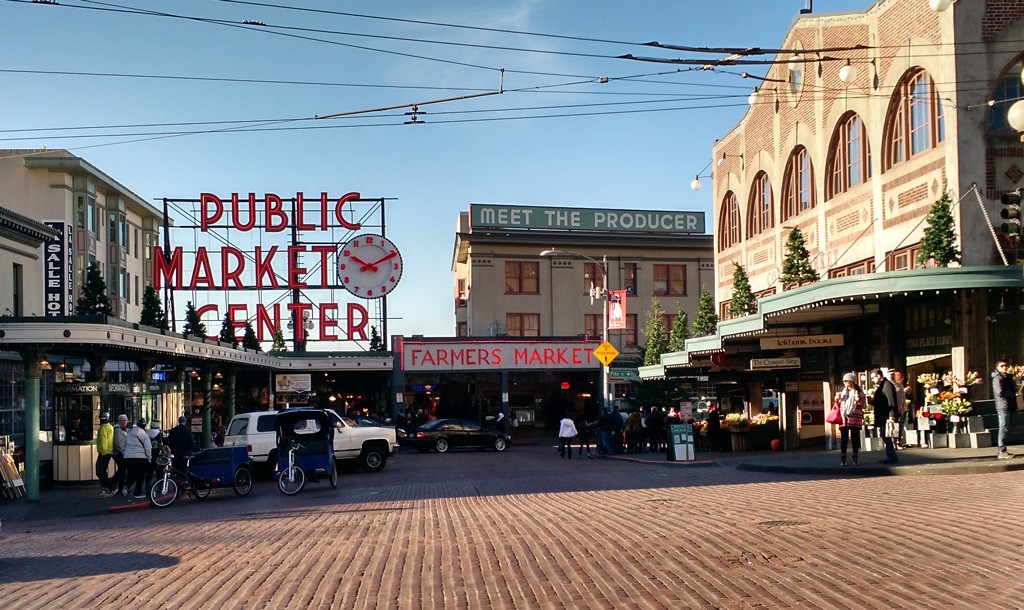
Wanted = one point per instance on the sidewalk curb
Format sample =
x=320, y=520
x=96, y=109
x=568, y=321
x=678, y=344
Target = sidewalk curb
x=665, y=462
x=882, y=471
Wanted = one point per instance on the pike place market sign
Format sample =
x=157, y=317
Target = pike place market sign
x=801, y=341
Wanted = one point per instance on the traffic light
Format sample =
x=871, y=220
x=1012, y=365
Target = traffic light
x=1011, y=212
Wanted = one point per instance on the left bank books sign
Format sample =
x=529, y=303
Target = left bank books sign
x=497, y=355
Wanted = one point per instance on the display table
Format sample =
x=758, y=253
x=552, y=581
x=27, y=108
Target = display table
x=739, y=438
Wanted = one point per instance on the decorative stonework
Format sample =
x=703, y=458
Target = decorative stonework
x=1014, y=173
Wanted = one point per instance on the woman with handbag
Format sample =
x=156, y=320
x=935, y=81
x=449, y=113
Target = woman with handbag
x=850, y=402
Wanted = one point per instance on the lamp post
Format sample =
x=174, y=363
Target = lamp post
x=603, y=264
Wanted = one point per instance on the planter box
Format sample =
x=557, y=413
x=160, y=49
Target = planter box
x=939, y=440
x=873, y=444
x=980, y=439
x=912, y=437
x=975, y=424
x=960, y=441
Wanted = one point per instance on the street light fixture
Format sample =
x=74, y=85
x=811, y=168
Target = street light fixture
x=603, y=263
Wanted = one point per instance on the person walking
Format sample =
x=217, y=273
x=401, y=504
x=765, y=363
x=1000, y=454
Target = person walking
x=104, y=453
x=136, y=457
x=850, y=400
x=179, y=441
x=901, y=407
x=1004, y=389
x=583, y=435
x=655, y=432
x=714, y=429
x=120, y=437
x=156, y=441
x=566, y=432
x=884, y=402
x=635, y=433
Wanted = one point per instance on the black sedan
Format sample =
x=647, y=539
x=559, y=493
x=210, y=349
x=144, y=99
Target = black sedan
x=444, y=434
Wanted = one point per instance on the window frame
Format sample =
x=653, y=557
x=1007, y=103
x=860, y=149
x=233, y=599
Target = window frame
x=915, y=123
x=674, y=286
x=522, y=326
x=729, y=222
x=797, y=184
x=631, y=334
x=761, y=206
x=517, y=268
x=845, y=173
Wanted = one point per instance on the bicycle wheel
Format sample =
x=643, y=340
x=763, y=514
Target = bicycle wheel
x=243, y=480
x=164, y=492
x=334, y=474
x=200, y=488
x=291, y=480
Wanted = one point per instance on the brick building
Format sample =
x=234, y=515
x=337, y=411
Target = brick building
x=854, y=133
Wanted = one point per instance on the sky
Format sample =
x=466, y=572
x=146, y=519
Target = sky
x=175, y=99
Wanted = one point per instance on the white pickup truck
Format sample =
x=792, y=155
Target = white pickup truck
x=367, y=447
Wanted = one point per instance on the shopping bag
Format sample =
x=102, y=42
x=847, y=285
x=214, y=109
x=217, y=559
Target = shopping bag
x=834, y=416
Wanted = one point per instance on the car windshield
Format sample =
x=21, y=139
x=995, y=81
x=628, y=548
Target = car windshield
x=237, y=426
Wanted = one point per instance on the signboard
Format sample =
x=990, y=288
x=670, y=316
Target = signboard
x=680, y=442
x=686, y=411
x=584, y=219
x=606, y=352
x=801, y=341
x=59, y=271
x=616, y=310
x=292, y=384
x=774, y=363
x=304, y=263
x=496, y=355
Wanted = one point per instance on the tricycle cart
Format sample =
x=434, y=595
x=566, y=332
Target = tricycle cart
x=305, y=449
x=210, y=468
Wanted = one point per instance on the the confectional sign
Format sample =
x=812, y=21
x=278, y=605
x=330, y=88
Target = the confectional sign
x=774, y=363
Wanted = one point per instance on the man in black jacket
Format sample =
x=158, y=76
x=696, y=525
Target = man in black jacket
x=179, y=440
x=884, y=402
x=1004, y=389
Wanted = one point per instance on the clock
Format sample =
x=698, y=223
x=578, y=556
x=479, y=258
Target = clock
x=369, y=266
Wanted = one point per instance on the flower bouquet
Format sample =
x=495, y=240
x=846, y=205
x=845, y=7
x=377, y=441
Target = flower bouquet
x=763, y=418
x=737, y=420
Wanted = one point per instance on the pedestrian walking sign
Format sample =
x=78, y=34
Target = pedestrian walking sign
x=606, y=352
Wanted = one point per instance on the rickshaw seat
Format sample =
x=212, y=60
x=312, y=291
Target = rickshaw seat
x=214, y=455
x=313, y=447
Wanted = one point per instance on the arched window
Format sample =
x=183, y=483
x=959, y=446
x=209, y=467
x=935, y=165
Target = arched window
x=849, y=157
x=915, y=123
x=1009, y=88
x=798, y=185
x=729, y=222
x=760, y=210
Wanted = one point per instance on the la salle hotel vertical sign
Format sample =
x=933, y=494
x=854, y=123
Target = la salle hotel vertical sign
x=58, y=271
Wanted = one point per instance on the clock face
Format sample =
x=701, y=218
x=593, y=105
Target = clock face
x=369, y=266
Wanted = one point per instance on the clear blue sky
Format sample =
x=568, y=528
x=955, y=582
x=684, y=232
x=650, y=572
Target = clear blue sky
x=556, y=137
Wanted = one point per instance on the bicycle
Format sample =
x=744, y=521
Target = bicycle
x=216, y=467
x=292, y=478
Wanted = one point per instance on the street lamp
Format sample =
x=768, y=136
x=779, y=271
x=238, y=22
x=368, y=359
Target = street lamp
x=603, y=263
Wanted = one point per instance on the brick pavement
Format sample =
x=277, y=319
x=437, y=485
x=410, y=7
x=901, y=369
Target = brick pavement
x=524, y=529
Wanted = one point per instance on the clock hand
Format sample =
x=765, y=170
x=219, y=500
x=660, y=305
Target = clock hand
x=364, y=265
x=380, y=260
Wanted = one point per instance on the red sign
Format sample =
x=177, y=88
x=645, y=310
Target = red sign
x=268, y=268
x=616, y=310
x=494, y=355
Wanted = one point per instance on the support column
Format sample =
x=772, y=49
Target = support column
x=207, y=398
x=31, y=393
x=232, y=399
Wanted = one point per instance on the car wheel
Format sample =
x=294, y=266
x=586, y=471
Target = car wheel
x=500, y=444
x=441, y=445
x=372, y=459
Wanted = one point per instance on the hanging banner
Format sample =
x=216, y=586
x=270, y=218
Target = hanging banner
x=616, y=310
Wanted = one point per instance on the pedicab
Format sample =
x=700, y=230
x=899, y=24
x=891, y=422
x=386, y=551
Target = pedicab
x=204, y=471
x=305, y=449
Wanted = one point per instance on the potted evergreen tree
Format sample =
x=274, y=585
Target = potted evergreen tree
x=152, y=310
x=680, y=332
x=705, y=322
x=94, y=298
x=279, y=346
x=249, y=340
x=227, y=332
x=655, y=331
x=939, y=241
x=193, y=325
x=743, y=302
x=796, y=267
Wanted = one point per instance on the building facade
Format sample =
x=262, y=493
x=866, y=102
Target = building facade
x=861, y=125
x=524, y=272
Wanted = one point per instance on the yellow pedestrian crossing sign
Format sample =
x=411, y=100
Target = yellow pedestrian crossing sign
x=606, y=352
